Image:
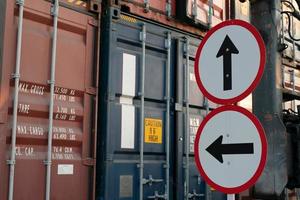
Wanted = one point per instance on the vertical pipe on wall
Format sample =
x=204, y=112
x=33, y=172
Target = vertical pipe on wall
x=142, y=96
x=16, y=76
x=54, y=12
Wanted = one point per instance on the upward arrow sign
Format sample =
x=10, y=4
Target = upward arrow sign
x=227, y=48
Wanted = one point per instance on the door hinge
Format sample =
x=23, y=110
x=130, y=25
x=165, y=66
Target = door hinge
x=89, y=162
x=93, y=22
x=91, y=91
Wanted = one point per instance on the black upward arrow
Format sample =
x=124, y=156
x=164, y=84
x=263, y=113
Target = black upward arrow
x=217, y=149
x=227, y=48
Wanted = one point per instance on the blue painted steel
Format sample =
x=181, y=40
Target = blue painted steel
x=118, y=168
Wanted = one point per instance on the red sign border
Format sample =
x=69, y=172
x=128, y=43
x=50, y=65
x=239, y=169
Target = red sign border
x=263, y=159
x=259, y=75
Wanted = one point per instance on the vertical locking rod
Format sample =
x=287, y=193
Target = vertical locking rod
x=194, y=10
x=142, y=96
x=55, y=8
x=187, y=120
x=16, y=76
x=168, y=73
x=210, y=12
x=169, y=8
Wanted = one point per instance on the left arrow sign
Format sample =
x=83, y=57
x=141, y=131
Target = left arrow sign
x=217, y=149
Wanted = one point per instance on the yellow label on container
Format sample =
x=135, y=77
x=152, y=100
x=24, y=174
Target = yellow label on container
x=153, y=131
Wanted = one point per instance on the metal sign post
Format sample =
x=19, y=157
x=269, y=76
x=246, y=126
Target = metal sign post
x=230, y=196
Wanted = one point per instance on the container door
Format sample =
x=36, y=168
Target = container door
x=189, y=183
x=191, y=109
x=72, y=160
x=137, y=107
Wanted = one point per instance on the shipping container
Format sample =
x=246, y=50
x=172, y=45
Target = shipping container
x=176, y=13
x=291, y=51
x=202, y=13
x=238, y=10
x=291, y=79
x=48, y=93
x=150, y=109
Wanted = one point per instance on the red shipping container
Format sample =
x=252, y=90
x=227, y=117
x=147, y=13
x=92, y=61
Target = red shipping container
x=178, y=14
x=72, y=157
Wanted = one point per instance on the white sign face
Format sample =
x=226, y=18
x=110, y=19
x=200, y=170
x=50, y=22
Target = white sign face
x=230, y=62
x=231, y=149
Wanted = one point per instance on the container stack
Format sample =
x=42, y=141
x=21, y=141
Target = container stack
x=99, y=100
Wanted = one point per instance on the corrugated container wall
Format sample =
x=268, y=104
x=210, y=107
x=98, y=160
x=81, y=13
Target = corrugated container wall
x=150, y=110
x=69, y=171
x=291, y=54
x=195, y=16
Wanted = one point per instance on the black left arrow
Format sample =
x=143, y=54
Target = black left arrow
x=217, y=149
x=226, y=50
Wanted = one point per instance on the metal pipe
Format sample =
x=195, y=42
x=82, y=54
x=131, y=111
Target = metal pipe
x=142, y=96
x=169, y=8
x=210, y=11
x=168, y=72
x=16, y=76
x=48, y=163
x=230, y=196
x=194, y=11
x=187, y=120
x=207, y=187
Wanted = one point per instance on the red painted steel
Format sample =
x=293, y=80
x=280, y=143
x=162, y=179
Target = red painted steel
x=74, y=103
x=157, y=11
x=218, y=11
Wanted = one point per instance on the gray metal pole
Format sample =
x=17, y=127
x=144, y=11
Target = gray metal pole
x=267, y=100
x=230, y=196
x=16, y=76
x=168, y=72
x=187, y=122
x=207, y=187
x=55, y=9
x=142, y=96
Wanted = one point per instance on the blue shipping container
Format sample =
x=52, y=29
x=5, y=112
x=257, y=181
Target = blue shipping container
x=150, y=110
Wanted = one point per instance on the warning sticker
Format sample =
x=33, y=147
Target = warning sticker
x=153, y=131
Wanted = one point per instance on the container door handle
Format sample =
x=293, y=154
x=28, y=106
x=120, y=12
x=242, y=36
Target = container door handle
x=151, y=180
x=157, y=196
x=194, y=195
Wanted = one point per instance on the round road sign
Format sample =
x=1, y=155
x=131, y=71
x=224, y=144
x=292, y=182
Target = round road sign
x=230, y=62
x=230, y=149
